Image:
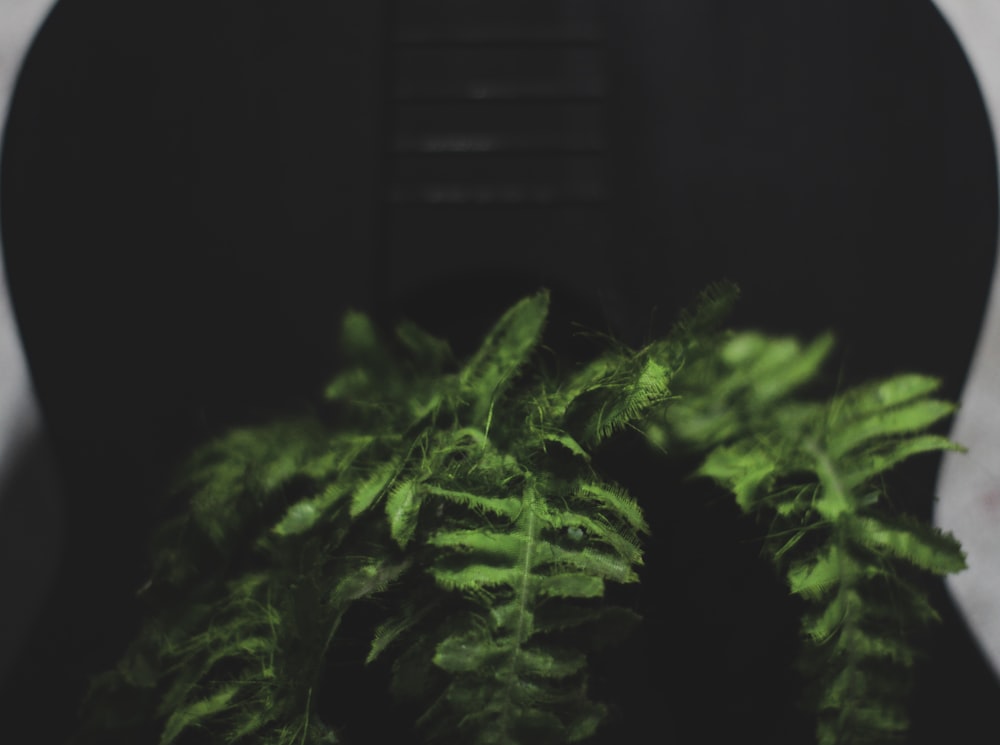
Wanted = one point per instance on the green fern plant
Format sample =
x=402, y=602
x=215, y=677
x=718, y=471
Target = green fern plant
x=463, y=496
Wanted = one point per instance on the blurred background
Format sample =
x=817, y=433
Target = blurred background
x=193, y=192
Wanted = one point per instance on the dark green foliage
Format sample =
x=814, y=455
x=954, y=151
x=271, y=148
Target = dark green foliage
x=813, y=471
x=462, y=496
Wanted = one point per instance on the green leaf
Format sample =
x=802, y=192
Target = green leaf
x=584, y=379
x=922, y=545
x=389, y=631
x=299, y=518
x=339, y=454
x=250, y=722
x=571, y=585
x=872, y=723
x=631, y=398
x=788, y=545
x=743, y=348
x=369, y=577
x=567, y=442
x=233, y=476
x=402, y=508
x=589, y=716
x=616, y=500
x=792, y=500
x=430, y=352
x=551, y=662
x=714, y=303
x=358, y=338
x=868, y=645
x=742, y=468
x=784, y=366
x=509, y=507
x=622, y=539
x=374, y=486
x=503, y=351
x=303, y=515
x=822, y=626
x=465, y=653
x=476, y=577
x=369, y=363
x=508, y=546
x=812, y=578
x=589, y=561
x=348, y=385
x=901, y=420
x=194, y=713
x=891, y=392
x=871, y=462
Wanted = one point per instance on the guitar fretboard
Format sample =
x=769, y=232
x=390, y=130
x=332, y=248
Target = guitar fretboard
x=495, y=139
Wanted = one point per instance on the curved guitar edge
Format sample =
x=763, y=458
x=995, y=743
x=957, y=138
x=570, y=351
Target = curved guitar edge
x=968, y=487
x=30, y=501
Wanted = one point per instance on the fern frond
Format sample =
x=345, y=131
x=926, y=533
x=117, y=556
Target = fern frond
x=369, y=361
x=625, y=397
x=504, y=350
x=784, y=366
x=814, y=577
x=744, y=468
x=571, y=585
x=501, y=506
x=401, y=509
x=910, y=540
x=303, y=515
x=194, y=713
x=463, y=498
x=367, y=576
x=713, y=305
x=911, y=417
x=814, y=468
x=586, y=378
x=341, y=452
x=614, y=500
x=872, y=461
x=392, y=629
x=230, y=479
x=511, y=573
x=430, y=353
x=375, y=485
x=482, y=542
x=566, y=441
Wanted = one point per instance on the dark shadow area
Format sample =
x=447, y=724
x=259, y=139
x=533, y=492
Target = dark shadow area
x=31, y=537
